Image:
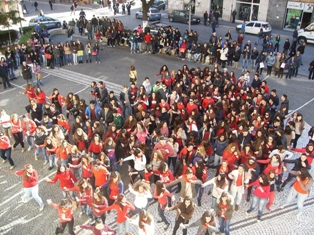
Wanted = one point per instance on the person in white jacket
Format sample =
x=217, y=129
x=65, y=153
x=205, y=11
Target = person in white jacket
x=237, y=188
x=223, y=55
x=142, y=194
x=144, y=222
x=139, y=164
x=220, y=184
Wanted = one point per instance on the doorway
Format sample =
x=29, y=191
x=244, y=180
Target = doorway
x=306, y=19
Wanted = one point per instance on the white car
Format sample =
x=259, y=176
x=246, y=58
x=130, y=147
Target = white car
x=254, y=27
x=306, y=34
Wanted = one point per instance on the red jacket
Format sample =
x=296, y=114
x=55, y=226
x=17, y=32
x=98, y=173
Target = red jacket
x=4, y=142
x=94, y=148
x=163, y=199
x=167, y=177
x=122, y=213
x=67, y=213
x=31, y=181
x=231, y=159
x=30, y=94
x=163, y=148
x=67, y=179
x=41, y=98
x=258, y=192
x=86, y=171
x=60, y=99
x=31, y=127
x=190, y=108
x=277, y=169
x=148, y=38
x=16, y=127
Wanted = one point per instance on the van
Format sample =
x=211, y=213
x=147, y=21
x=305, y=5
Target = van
x=306, y=34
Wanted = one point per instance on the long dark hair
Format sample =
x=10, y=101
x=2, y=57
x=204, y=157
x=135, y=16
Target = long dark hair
x=222, y=182
x=160, y=188
x=305, y=174
x=211, y=214
x=143, y=215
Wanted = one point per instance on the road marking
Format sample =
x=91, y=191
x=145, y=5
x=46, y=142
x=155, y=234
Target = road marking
x=266, y=77
x=7, y=91
x=301, y=106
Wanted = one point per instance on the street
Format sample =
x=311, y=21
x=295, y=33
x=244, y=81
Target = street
x=18, y=218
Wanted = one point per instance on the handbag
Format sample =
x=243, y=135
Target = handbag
x=181, y=50
x=80, y=53
x=94, y=52
x=261, y=65
x=48, y=56
x=283, y=65
x=40, y=76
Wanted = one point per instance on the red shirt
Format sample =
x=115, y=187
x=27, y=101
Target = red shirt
x=41, y=98
x=86, y=171
x=114, y=190
x=63, y=212
x=163, y=199
x=30, y=94
x=167, y=177
x=122, y=213
x=16, y=127
x=258, y=192
x=4, y=143
x=100, y=176
x=67, y=179
x=239, y=180
x=31, y=181
x=95, y=148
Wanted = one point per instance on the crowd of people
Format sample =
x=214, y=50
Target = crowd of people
x=173, y=134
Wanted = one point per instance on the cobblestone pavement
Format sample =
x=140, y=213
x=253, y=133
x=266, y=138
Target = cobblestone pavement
x=277, y=222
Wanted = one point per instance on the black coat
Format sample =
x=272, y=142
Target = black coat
x=26, y=72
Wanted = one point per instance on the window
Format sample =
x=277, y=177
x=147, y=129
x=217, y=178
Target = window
x=257, y=25
x=154, y=11
x=251, y=24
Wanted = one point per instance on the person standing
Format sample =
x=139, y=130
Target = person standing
x=185, y=212
x=237, y=186
x=224, y=210
x=243, y=27
x=311, y=70
x=234, y=13
x=65, y=213
x=50, y=3
x=292, y=64
x=295, y=35
x=300, y=189
x=298, y=60
x=270, y=61
x=36, y=5
x=205, y=16
x=30, y=184
x=4, y=76
x=5, y=149
x=128, y=7
x=214, y=25
x=260, y=195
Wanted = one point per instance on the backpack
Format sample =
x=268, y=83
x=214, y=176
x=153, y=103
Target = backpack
x=72, y=8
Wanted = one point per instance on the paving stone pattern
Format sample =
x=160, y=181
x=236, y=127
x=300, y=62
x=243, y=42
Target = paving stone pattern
x=279, y=221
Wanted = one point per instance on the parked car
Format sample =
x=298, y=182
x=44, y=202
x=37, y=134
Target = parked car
x=47, y=21
x=152, y=14
x=160, y=5
x=183, y=17
x=254, y=27
x=306, y=34
x=155, y=26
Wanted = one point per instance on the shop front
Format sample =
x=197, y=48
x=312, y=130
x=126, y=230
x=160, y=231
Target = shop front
x=298, y=15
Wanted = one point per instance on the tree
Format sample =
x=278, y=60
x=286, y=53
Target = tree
x=145, y=8
x=7, y=19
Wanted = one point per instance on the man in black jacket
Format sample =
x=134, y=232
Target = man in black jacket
x=106, y=116
x=4, y=76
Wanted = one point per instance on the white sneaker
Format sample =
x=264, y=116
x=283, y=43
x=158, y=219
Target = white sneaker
x=29, y=148
x=36, y=158
x=41, y=207
x=45, y=162
x=23, y=200
x=282, y=206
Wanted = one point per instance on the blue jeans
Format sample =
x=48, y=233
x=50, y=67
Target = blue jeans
x=300, y=198
x=5, y=154
x=97, y=57
x=113, y=160
x=161, y=213
x=199, y=190
x=261, y=204
x=259, y=40
x=290, y=73
x=33, y=191
x=224, y=225
x=12, y=75
x=43, y=150
x=125, y=225
x=87, y=210
x=90, y=35
x=18, y=61
x=70, y=192
x=80, y=58
x=133, y=46
x=214, y=202
x=30, y=140
x=52, y=160
x=245, y=64
x=147, y=47
x=126, y=111
x=89, y=56
x=38, y=82
x=139, y=44
x=68, y=59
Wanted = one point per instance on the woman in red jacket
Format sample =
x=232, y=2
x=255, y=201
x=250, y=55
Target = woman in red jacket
x=99, y=202
x=65, y=213
x=62, y=152
x=260, y=195
x=84, y=198
x=232, y=155
x=122, y=206
x=5, y=149
x=29, y=90
x=114, y=187
x=86, y=167
x=274, y=164
x=95, y=147
x=161, y=193
x=66, y=178
x=40, y=97
x=17, y=132
x=30, y=184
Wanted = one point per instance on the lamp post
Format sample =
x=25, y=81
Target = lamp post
x=190, y=4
